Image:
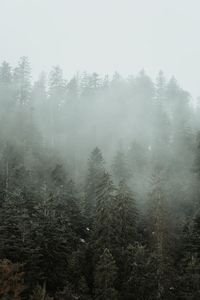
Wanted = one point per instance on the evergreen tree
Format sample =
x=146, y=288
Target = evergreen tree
x=124, y=218
x=90, y=84
x=67, y=206
x=56, y=98
x=103, y=234
x=95, y=171
x=14, y=227
x=57, y=87
x=136, y=276
x=190, y=263
x=77, y=272
x=48, y=262
x=56, y=232
x=120, y=168
x=160, y=143
x=160, y=245
x=124, y=224
x=39, y=104
x=105, y=276
x=22, y=82
x=6, y=89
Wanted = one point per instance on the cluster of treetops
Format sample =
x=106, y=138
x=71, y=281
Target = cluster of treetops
x=125, y=229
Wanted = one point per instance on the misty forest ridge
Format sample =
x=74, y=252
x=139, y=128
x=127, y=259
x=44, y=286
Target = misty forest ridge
x=99, y=187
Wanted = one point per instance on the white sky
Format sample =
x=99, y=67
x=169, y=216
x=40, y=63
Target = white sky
x=105, y=36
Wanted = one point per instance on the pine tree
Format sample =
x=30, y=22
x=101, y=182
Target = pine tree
x=39, y=104
x=56, y=98
x=136, y=276
x=90, y=84
x=125, y=216
x=22, y=82
x=6, y=90
x=56, y=232
x=138, y=158
x=105, y=276
x=190, y=263
x=120, y=168
x=14, y=228
x=160, y=142
x=124, y=223
x=67, y=206
x=160, y=245
x=57, y=87
x=103, y=234
x=95, y=171
x=50, y=249
x=73, y=89
x=5, y=73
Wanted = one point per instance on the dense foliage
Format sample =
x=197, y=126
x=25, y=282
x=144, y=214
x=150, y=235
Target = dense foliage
x=125, y=224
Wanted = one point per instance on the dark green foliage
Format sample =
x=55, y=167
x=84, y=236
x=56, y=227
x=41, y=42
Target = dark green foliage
x=68, y=235
x=105, y=277
x=124, y=224
x=160, y=243
x=190, y=260
x=95, y=171
x=125, y=216
x=56, y=233
x=104, y=234
x=38, y=293
x=136, y=273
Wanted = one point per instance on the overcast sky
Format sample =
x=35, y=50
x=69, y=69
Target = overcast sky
x=105, y=36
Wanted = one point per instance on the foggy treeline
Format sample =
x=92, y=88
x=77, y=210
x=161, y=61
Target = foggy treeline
x=99, y=187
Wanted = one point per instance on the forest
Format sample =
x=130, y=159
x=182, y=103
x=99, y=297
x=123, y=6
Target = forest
x=99, y=187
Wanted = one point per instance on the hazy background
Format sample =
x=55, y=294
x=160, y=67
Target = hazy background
x=99, y=175
x=105, y=36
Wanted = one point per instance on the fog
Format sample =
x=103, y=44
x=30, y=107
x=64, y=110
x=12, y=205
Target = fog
x=151, y=123
x=99, y=150
x=104, y=36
